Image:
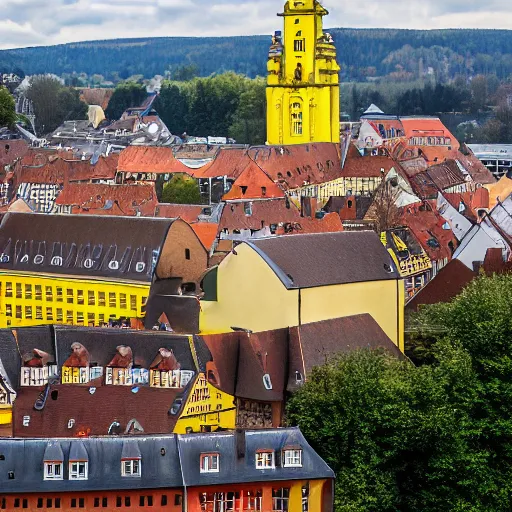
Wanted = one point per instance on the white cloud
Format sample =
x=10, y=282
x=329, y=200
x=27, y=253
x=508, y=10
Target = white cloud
x=33, y=22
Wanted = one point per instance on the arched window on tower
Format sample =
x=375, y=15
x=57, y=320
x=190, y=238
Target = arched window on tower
x=296, y=117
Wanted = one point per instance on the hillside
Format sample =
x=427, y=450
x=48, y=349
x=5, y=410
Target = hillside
x=362, y=53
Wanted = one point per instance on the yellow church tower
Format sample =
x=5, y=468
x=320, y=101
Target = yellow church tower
x=303, y=92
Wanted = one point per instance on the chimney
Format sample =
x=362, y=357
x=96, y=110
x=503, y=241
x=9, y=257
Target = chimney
x=240, y=442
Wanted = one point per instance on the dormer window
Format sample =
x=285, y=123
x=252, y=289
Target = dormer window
x=292, y=458
x=265, y=459
x=210, y=463
x=131, y=467
x=78, y=470
x=53, y=471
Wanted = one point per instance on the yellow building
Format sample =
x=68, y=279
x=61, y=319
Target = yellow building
x=303, y=96
x=86, y=270
x=295, y=280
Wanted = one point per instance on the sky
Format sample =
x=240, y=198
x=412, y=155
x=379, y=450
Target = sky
x=47, y=22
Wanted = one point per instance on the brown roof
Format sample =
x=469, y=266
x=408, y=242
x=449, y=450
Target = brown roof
x=79, y=241
x=316, y=342
x=292, y=166
x=357, y=166
x=228, y=162
x=476, y=169
x=98, y=96
x=187, y=212
x=100, y=199
x=437, y=178
x=154, y=159
x=206, y=232
x=324, y=259
x=94, y=413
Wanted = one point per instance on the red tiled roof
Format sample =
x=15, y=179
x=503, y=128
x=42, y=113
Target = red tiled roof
x=427, y=226
x=437, y=178
x=99, y=199
x=357, y=166
x=475, y=168
x=41, y=156
x=228, y=162
x=293, y=166
x=99, y=97
x=11, y=151
x=471, y=200
x=426, y=127
x=253, y=183
x=152, y=159
x=206, y=232
x=188, y=212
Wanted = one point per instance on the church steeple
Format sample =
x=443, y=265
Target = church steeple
x=303, y=84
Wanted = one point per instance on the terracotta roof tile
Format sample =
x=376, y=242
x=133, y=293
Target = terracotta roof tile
x=187, y=212
x=99, y=199
x=228, y=162
x=11, y=151
x=292, y=166
x=154, y=159
x=357, y=166
x=206, y=232
x=253, y=183
x=426, y=127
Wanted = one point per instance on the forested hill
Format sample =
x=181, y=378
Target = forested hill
x=362, y=53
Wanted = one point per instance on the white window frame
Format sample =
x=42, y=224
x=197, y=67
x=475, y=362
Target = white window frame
x=265, y=460
x=131, y=467
x=207, y=465
x=292, y=458
x=50, y=472
x=78, y=470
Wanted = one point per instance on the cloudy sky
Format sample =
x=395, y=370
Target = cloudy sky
x=44, y=22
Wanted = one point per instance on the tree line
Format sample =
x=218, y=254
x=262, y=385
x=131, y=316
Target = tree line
x=431, y=434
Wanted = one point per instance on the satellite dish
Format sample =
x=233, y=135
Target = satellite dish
x=153, y=128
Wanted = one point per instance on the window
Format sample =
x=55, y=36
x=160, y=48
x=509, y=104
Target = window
x=280, y=498
x=39, y=502
x=80, y=297
x=263, y=191
x=8, y=310
x=163, y=500
x=60, y=315
x=104, y=502
x=28, y=291
x=81, y=502
x=70, y=296
x=28, y=312
x=8, y=289
x=78, y=470
x=150, y=501
x=39, y=312
x=91, y=300
x=131, y=467
x=299, y=45
x=60, y=297
x=293, y=458
x=265, y=459
x=53, y=470
x=49, y=314
x=248, y=209
x=16, y=502
x=219, y=501
x=177, y=500
x=112, y=300
x=187, y=254
x=252, y=500
x=119, y=502
x=133, y=302
x=39, y=292
x=57, y=502
x=19, y=291
x=96, y=502
x=101, y=298
x=127, y=501
x=209, y=463
x=49, y=503
x=122, y=300
x=305, y=498
x=73, y=502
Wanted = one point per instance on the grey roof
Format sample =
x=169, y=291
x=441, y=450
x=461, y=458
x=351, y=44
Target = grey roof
x=131, y=449
x=78, y=452
x=9, y=357
x=53, y=452
x=102, y=344
x=25, y=457
x=323, y=259
x=235, y=469
x=163, y=464
x=95, y=246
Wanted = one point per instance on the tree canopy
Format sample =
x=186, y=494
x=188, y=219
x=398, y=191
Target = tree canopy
x=432, y=437
x=181, y=189
x=7, y=108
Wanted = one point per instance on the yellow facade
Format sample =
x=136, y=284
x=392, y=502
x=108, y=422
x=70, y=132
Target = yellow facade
x=27, y=300
x=207, y=408
x=251, y=296
x=5, y=415
x=303, y=96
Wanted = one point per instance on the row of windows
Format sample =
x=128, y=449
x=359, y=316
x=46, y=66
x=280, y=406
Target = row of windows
x=103, y=502
x=265, y=459
x=80, y=297
x=54, y=315
x=430, y=141
x=79, y=470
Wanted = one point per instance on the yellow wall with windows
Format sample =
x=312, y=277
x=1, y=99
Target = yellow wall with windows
x=383, y=300
x=249, y=296
x=315, y=495
x=206, y=406
x=305, y=110
x=27, y=300
x=5, y=415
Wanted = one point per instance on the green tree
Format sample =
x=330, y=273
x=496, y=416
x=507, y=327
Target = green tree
x=181, y=189
x=172, y=105
x=185, y=73
x=479, y=93
x=396, y=435
x=54, y=103
x=7, y=108
x=126, y=95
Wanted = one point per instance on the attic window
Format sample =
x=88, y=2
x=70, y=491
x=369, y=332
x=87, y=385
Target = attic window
x=209, y=463
x=78, y=470
x=131, y=467
x=244, y=189
x=292, y=458
x=53, y=471
x=263, y=191
x=265, y=459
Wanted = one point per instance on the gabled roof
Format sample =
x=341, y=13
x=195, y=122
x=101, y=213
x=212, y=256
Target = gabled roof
x=150, y=159
x=357, y=166
x=114, y=247
x=206, y=232
x=228, y=162
x=187, y=212
x=437, y=178
x=253, y=183
x=293, y=166
x=325, y=259
x=426, y=127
